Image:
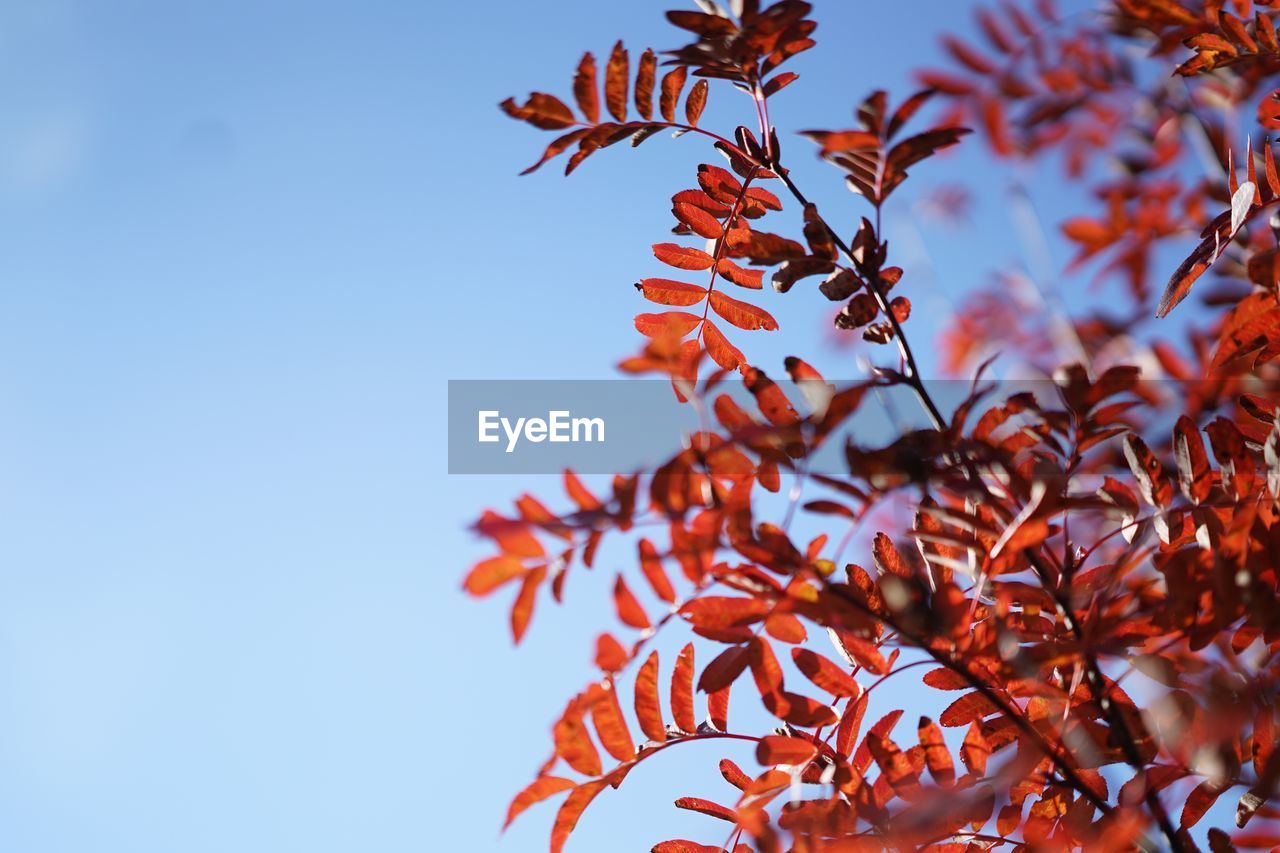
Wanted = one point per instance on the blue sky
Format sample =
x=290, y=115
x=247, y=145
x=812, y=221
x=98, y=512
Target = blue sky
x=245, y=245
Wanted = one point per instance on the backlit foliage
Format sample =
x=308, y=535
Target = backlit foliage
x=1064, y=547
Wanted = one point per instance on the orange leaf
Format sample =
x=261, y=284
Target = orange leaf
x=584, y=88
x=682, y=257
x=615, y=82
x=767, y=673
x=487, y=575
x=824, y=673
x=696, y=102
x=723, y=670
x=718, y=709
x=611, y=726
x=648, y=704
x=706, y=807
x=536, y=791
x=718, y=347
x=742, y=314
x=672, y=83
x=724, y=611
x=850, y=723
x=677, y=323
x=893, y=762
x=975, y=750
x=698, y=220
x=667, y=292
x=522, y=609
x=572, y=808
x=682, y=691
x=579, y=493
x=863, y=652
x=644, y=83
x=543, y=111
x=750, y=279
x=969, y=708
x=936, y=755
x=785, y=627
x=651, y=565
x=610, y=655
x=629, y=610
x=945, y=679
x=888, y=558
x=573, y=744
x=1199, y=801
x=681, y=845
x=792, y=751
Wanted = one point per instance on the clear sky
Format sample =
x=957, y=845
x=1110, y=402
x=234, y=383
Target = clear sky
x=243, y=245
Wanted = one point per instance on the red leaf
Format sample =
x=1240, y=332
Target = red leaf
x=610, y=655
x=667, y=292
x=648, y=704
x=850, y=724
x=644, y=83
x=741, y=314
x=682, y=691
x=682, y=257
x=677, y=323
x=733, y=774
x=750, y=279
x=615, y=82
x=967, y=56
x=680, y=845
x=723, y=670
x=487, y=575
x=945, y=679
x=1148, y=471
x=573, y=744
x=767, y=673
x=724, y=611
x=1199, y=801
x=629, y=610
x=718, y=347
x=718, y=709
x=785, y=627
x=522, y=609
x=611, y=726
x=543, y=111
x=706, y=807
x=672, y=83
x=579, y=493
x=696, y=102
x=888, y=558
x=824, y=673
x=805, y=712
x=893, y=762
x=698, y=220
x=537, y=791
x=862, y=651
x=572, y=808
x=936, y=755
x=792, y=751
x=558, y=145
x=969, y=708
x=1194, y=475
x=975, y=750
x=651, y=565
x=584, y=88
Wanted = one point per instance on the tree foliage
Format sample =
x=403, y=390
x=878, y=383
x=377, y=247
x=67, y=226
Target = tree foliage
x=1062, y=550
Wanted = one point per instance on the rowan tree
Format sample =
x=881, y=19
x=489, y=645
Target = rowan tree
x=1065, y=547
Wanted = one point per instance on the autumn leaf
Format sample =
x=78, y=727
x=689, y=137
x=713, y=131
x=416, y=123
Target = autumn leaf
x=742, y=314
